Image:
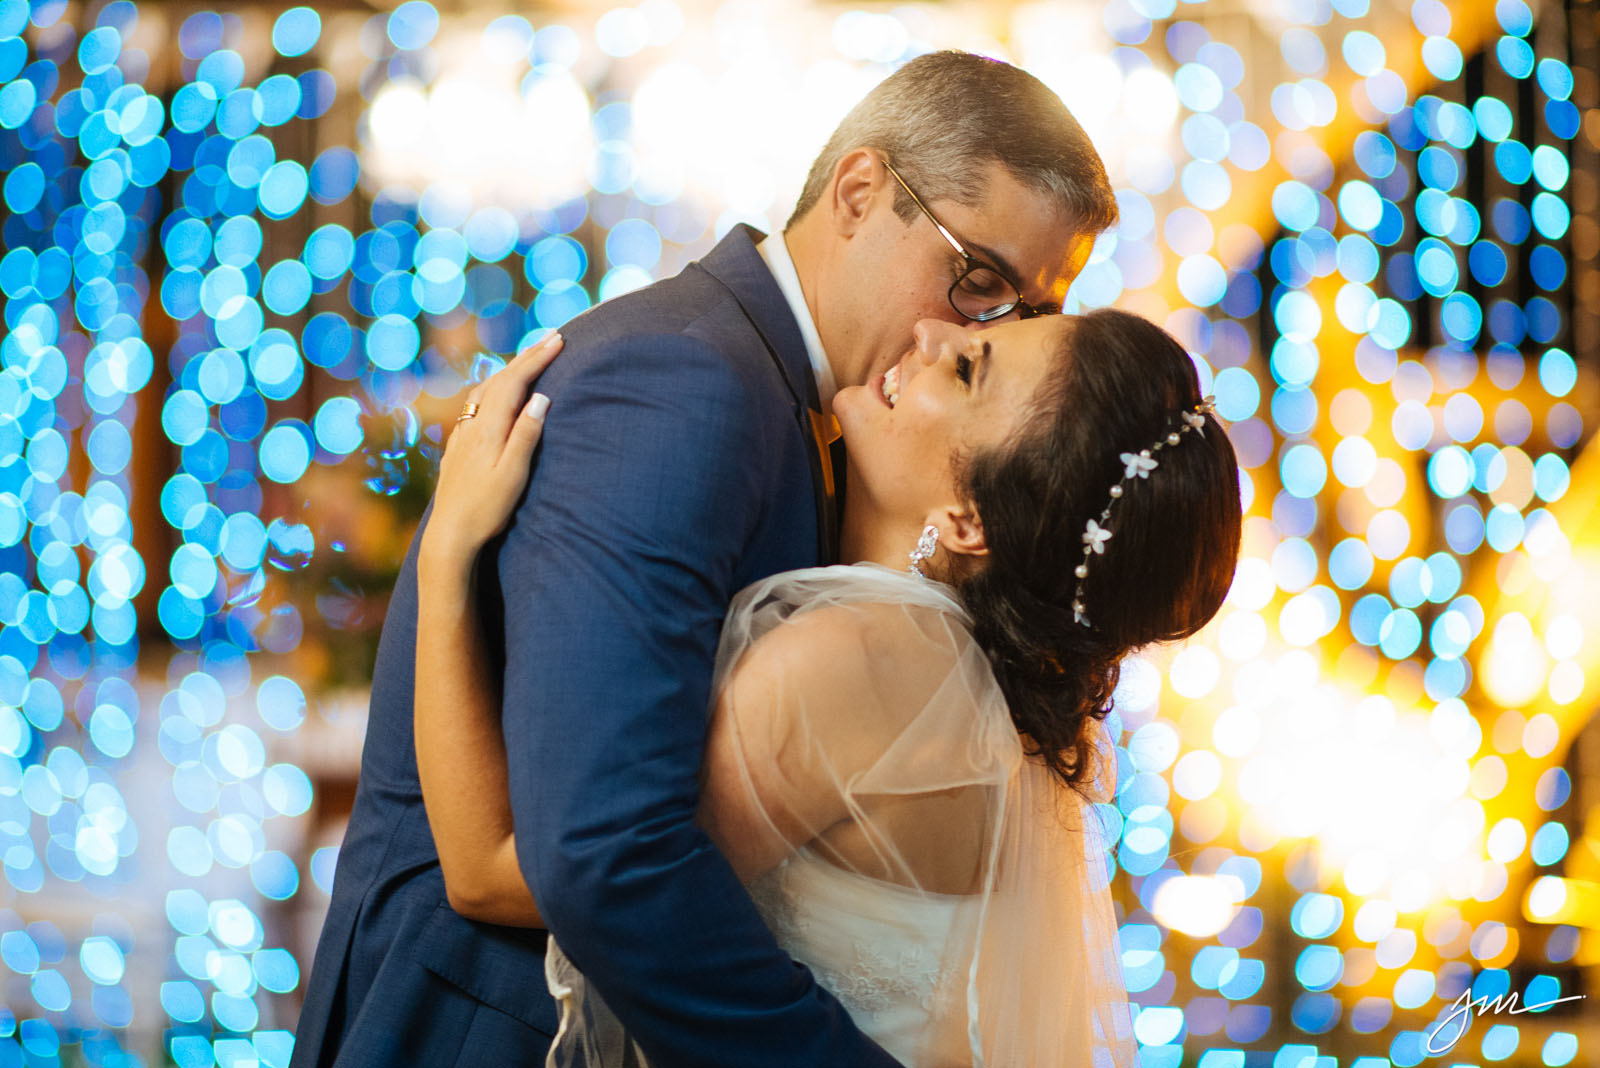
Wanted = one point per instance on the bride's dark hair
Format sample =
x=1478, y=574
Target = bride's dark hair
x=1118, y=385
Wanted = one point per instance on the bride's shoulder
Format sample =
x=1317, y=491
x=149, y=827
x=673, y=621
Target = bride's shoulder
x=859, y=637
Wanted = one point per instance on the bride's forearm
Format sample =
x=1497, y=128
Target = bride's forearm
x=461, y=756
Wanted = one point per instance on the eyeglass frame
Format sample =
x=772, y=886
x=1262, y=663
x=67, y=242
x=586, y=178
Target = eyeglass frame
x=973, y=263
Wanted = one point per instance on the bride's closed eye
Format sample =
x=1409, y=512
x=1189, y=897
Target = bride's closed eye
x=965, y=364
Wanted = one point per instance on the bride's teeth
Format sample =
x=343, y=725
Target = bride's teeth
x=891, y=385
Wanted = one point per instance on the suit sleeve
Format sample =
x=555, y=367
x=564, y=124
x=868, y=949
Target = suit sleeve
x=616, y=574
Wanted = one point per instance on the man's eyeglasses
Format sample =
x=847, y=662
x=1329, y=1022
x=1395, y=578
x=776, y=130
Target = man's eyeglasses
x=982, y=292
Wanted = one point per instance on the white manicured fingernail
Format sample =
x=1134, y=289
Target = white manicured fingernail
x=537, y=406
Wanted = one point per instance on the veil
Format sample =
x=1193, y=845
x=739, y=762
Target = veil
x=880, y=762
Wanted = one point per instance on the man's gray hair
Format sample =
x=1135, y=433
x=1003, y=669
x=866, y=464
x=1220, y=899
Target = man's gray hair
x=944, y=117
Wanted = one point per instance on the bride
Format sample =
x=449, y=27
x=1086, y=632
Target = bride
x=904, y=752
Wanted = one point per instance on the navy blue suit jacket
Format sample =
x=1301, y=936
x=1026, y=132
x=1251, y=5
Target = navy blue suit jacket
x=677, y=467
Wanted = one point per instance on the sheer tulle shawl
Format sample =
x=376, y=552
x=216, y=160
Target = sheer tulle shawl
x=877, y=739
x=888, y=699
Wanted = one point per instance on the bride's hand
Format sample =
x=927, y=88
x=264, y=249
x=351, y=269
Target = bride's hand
x=485, y=464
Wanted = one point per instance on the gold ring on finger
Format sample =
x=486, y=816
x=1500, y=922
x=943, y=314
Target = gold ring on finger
x=469, y=410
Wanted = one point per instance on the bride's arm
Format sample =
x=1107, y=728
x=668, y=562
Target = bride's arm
x=809, y=707
x=461, y=755
x=743, y=808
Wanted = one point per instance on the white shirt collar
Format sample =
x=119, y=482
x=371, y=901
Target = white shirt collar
x=776, y=252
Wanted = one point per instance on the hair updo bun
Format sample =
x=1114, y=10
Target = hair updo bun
x=1118, y=385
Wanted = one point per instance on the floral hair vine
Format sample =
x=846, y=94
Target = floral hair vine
x=1135, y=465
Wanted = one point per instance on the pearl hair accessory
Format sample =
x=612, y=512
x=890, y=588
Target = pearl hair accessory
x=925, y=548
x=1135, y=465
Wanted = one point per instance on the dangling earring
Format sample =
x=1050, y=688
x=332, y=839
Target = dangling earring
x=924, y=550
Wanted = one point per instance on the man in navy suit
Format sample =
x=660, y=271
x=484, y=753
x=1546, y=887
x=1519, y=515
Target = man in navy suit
x=684, y=457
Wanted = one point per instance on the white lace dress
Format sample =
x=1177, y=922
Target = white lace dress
x=881, y=949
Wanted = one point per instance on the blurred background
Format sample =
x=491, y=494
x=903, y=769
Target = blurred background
x=251, y=254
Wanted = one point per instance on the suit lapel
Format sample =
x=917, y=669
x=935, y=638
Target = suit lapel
x=738, y=265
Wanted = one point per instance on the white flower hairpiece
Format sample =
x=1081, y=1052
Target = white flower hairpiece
x=1096, y=532
x=1197, y=418
x=1139, y=464
x=1095, y=537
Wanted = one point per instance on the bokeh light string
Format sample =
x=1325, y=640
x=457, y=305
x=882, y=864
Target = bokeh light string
x=73, y=357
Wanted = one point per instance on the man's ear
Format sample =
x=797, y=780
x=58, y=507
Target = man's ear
x=960, y=531
x=857, y=178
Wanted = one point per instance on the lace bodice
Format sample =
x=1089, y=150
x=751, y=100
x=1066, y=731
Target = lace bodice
x=881, y=949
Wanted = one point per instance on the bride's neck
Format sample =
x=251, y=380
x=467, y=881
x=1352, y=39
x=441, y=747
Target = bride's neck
x=868, y=536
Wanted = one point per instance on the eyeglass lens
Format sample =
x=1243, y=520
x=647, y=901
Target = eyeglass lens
x=982, y=293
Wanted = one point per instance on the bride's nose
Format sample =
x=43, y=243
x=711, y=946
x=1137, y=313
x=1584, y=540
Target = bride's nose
x=934, y=338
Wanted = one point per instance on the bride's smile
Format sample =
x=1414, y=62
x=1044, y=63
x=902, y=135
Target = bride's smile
x=957, y=391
